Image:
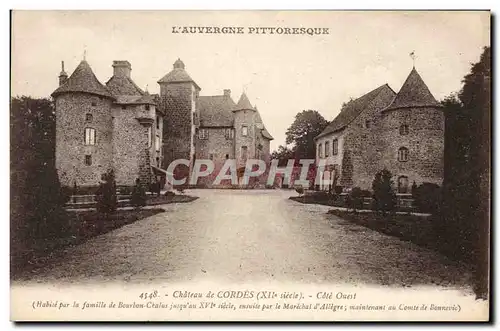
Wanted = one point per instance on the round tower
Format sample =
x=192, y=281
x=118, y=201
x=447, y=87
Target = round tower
x=245, y=131
x=83, y=128
x=412, y=135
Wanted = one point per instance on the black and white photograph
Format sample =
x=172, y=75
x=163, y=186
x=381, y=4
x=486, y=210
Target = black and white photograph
x=279, y=165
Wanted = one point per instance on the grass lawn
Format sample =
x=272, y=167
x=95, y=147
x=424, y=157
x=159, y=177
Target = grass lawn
x=82, y=225
x=165, y=199
x=420, y=230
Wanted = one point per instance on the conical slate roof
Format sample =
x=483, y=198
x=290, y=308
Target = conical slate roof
x=243, y=103
x=83, y=80
x=178, y=75
x=413, y=93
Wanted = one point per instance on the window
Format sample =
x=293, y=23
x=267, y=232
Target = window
x=89, y=136
x=244, y=152
x=335, y=145
x=368, y=124
x=404, y=130
x=157, y=122
x=211, y=156
x=403, y=154
x=203, y=134
x=158, y=162
x=124, y=107
x=320, y=150
x=88, y=160
x=229, y=133
x=327, y=148
x=88, y=117
x=403, y=184
x=227, y=156
x=147, y=107
x=94, y=103
x=244, y=130
x=157, y=143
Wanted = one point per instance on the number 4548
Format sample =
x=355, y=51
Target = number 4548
x=149, y=295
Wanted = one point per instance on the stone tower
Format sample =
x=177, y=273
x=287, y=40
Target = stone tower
x=83, y=128
x=245, y=130
x=178, y=98
x=412, y=135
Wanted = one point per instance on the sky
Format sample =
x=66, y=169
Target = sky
x=281, y=74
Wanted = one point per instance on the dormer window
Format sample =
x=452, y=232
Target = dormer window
x=147, y=107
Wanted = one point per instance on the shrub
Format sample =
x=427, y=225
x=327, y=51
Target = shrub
x=338, y=190
x=106, y=194
x=320, y=196
x=384, y=199
x=138, y=198
x=169, y=194
x=354, y=200
x=427, y=198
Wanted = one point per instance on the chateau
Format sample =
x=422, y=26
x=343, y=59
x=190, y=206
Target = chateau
x=118, y=126
x=402, y=132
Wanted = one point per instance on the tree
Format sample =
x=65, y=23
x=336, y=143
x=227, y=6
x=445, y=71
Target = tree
x=37, y=199
x=282, y=154
x=354, y=199
x=466, y=213
x=384, y=198
x=307, y=125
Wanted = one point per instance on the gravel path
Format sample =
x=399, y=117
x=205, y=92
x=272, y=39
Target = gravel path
x=244, y=236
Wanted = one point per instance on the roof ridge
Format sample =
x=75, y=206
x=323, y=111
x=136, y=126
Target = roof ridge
x=352, y=110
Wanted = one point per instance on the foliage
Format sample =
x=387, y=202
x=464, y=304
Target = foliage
x=106, y=194
x=464, y=220
x=138, y=197
x=427, y=198
x=299, y=189
x=354, y=200
x=384, y=199
x=283, y=154
x=307, y=125
x=37, y=199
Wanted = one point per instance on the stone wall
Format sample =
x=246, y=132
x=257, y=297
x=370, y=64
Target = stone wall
x=364, y=144
x=130, y=140
x=244, y=117
x=177, y=102
x=425, y=142
x=71, y=110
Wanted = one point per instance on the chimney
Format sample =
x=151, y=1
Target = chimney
x=227, y=93
x=63, y=76
x=121, y=69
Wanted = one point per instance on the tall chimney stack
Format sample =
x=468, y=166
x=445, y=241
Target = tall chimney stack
x=227, y=93
x=63, y=76
x=121, y=69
